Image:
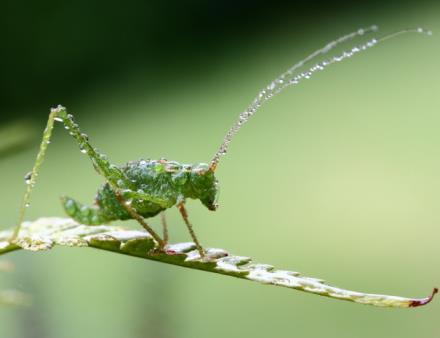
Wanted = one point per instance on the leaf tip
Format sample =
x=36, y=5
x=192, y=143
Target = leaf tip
x=424, y=301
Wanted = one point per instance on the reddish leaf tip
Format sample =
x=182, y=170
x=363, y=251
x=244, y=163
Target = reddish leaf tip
x=421, y=302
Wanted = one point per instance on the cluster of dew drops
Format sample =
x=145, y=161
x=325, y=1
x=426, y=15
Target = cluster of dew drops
x=291, y=77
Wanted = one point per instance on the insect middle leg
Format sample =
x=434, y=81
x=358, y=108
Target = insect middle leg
x=133, y=213
x=163, y=220
x=184, y=214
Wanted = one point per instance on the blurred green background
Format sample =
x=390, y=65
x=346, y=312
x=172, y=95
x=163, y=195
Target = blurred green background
x=337, y=178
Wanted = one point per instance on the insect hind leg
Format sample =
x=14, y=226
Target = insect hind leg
x=110, y=172
x=84, y=214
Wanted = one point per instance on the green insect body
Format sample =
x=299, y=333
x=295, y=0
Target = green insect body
x=143, y=189
x=168, y=183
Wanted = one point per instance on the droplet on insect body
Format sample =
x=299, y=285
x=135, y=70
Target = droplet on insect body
x=85, y=210
x=28, y=177
x=179, y=178
x=70, y=206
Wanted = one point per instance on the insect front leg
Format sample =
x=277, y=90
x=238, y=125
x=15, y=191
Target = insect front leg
x=184, y=213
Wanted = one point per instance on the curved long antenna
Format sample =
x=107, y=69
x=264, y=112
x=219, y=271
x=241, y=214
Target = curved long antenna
x=290, y=77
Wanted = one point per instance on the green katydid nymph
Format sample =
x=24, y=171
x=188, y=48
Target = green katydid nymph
x=145, y=188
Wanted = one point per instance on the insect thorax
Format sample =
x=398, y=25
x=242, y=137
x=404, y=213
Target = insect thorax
x=163, y=183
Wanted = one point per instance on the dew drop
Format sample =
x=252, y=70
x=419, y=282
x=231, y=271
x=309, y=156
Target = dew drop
x=84, y=209
x=58, y=119
x=179, y=178
x=83, y=150
x=70, y=206
x=28, y=177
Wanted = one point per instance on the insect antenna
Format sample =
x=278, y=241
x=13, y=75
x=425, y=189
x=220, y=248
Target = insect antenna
x=293, y=77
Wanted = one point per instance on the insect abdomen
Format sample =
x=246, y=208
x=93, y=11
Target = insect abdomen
x=84, y=214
